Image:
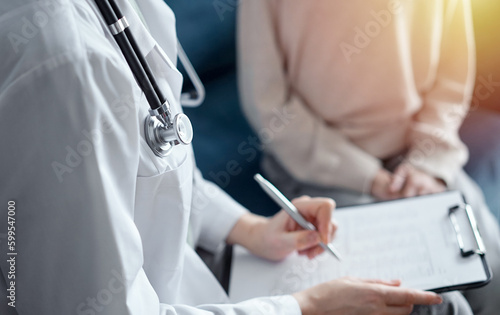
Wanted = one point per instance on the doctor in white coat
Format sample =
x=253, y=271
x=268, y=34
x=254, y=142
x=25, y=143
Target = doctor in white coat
x=101, y=225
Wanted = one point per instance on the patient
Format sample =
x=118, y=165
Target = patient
x=362, y=101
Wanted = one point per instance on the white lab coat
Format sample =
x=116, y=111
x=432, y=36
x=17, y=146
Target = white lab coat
x=102, y=223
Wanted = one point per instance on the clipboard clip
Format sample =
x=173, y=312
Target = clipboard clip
x=481, y=249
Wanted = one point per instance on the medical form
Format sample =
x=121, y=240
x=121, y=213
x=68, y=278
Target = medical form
x=412, y=240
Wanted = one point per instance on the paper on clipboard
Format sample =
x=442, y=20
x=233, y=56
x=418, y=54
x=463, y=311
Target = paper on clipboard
x=412, y=240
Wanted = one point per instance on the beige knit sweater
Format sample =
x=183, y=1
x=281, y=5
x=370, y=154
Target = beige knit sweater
x=335, y=86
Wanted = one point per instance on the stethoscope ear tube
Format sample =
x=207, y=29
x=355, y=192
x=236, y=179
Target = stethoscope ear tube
x=196, y=97
x=169, y=130
x=139, y=55
x=136, y=62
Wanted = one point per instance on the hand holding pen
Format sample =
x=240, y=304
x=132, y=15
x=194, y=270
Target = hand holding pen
x=324, y=224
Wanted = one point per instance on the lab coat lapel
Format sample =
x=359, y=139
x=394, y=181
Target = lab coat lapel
x=144, y=39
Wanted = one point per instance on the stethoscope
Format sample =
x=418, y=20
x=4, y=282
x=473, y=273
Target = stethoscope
x=162, y=129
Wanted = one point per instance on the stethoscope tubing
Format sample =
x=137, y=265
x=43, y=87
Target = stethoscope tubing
x=130, y=50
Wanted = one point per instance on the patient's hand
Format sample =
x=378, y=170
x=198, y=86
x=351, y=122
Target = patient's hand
x=409, y=181
x=381, y=186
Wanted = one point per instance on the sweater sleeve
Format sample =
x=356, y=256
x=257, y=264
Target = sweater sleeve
x=435, y=146
x=309, y=149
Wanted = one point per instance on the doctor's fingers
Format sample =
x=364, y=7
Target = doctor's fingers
x=318, y=250
x=333, y=229
x=301, y=198
x=301, y=240
x=312, y=252
x=399, y=310
x=291, y=225
x=318, y=211
x=397, y=296
x=392, y=283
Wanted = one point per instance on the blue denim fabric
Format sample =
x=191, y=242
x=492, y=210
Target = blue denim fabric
x=481, y=133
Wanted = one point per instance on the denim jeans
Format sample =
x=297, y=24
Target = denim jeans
x=481, y=133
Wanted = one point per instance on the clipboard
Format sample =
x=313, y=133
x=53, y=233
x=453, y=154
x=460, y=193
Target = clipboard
x=429, y=242
x=479, y=250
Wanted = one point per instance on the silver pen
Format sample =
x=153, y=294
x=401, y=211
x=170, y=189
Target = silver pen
x=284, y=203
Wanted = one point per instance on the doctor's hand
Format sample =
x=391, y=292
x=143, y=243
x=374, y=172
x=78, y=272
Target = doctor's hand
x=356, y=296
x=276, y=237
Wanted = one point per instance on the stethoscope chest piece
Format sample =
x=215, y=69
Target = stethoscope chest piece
x=162, y=139
x=162, y=131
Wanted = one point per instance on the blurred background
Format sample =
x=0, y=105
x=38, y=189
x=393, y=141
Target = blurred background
x=487, y=25
x=206, y=29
